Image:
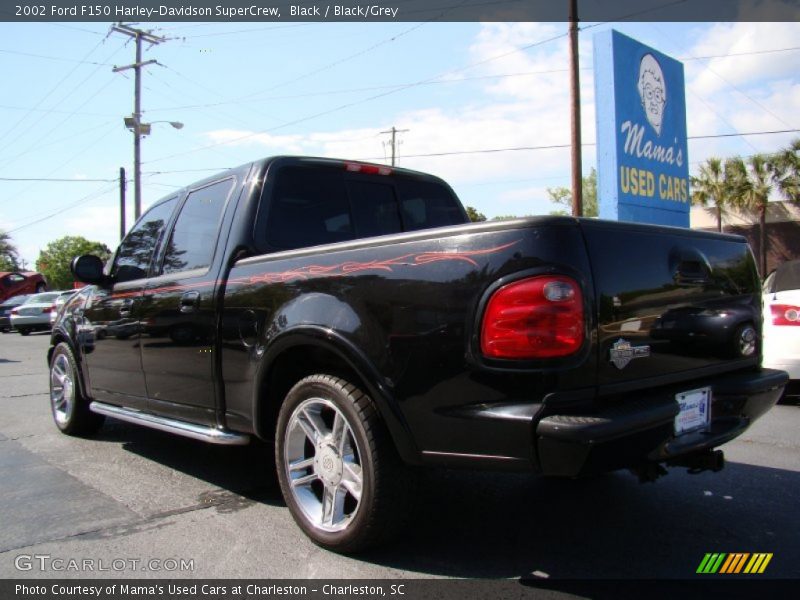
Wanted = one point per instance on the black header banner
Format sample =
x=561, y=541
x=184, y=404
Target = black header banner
x=399, y=10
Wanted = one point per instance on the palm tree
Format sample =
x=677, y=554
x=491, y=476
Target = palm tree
x=753, y=182
x=8, y=253
x=786, y=172
x=713, y=186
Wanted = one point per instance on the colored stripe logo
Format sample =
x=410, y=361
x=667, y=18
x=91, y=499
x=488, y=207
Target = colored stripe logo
x=734, y=563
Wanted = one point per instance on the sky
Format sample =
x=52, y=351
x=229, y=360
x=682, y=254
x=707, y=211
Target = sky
x=248, y=90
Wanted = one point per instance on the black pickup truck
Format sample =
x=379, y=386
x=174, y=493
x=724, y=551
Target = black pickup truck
x=351, y=314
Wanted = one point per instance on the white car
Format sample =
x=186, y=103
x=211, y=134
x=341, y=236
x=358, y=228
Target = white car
x=34, y=313
x=782, y=322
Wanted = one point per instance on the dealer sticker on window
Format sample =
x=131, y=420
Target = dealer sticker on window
x=694, y=410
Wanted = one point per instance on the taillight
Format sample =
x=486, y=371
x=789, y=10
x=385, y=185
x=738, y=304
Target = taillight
x=14, y=311
x=367, y=169
x=539, y=317
x=785, y=314
x=48, y=309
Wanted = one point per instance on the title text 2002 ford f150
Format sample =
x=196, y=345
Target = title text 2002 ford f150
x=349, y=313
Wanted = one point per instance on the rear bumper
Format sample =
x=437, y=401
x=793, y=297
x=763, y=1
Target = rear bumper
x=38, y=321
x=638, y=431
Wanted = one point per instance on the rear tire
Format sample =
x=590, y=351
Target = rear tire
x=69, y=407
x=339, y=472
x=24, y=330
x=40, y=287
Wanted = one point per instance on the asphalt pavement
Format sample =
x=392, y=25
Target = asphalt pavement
x=133, y=502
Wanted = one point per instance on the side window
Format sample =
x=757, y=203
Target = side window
x=374, y=208
x=133, y=257
x=426, y=204
x=309, y=207
x=193, y=239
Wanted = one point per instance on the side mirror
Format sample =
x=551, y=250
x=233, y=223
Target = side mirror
x=88, y=269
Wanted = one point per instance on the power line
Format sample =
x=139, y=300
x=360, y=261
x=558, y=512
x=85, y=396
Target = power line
x=56, y=58
x=237, y=101
x=72, y=157
x=97, y=193
x=65, y=120
x=59, y=179
x=735, y=88
x=57, y=112
x=63, y=26
x=49, y=93
x=561, y=146
x=363, y=100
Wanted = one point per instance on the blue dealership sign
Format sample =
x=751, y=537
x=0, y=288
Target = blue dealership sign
x=642, y=155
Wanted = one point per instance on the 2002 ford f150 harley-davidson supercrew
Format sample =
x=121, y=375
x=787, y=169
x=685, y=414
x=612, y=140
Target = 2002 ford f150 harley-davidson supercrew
x=351, y=314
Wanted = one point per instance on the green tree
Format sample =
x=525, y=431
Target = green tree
x=752, y=182
x=509, y=217
x=474, y=215
x=54, y=261
x=715, y=185
x=563, y=196
x=786, y=171
x=9, y=257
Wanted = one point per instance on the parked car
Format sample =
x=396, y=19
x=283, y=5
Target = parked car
x=350, y=314
x=17, y=283
x=59, y=304
x=5, y=310
x=34, y=313
x=782, y=322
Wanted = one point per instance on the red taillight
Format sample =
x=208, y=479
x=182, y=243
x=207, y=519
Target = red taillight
x=14, y=311
x=367, y=169
x=785, y=314
x=49, y=309
x=540, y=317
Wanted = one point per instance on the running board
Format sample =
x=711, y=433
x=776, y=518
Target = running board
x=204, y=433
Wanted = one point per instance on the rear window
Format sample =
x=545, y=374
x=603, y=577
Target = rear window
x=314, y=206
x=426, y=204
x=43, y=298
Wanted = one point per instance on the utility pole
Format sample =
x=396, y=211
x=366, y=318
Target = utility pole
x=394, y=131
x=123, y=183
x=134, y=122
x=575, y=105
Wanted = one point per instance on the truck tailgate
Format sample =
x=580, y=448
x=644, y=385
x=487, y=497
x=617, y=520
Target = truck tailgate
x=672, y=303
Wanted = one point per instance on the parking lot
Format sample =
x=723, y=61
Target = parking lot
x=162, y=506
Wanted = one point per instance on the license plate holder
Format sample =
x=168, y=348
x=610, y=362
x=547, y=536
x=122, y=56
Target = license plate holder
x=694, y=411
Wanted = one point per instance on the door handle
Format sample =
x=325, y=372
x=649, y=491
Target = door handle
x=125, y=307
x=190, y=302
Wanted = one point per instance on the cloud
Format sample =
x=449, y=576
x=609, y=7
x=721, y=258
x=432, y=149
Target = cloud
x=95, y=223
x=747, y=65
x=523, y=102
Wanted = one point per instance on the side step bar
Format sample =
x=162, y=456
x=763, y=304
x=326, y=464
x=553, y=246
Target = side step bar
x=204, y=433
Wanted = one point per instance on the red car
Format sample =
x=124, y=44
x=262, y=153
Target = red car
x=16, y=283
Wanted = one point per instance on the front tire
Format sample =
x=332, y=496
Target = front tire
x=24, y=330
x=339, y=472
x=69, y=407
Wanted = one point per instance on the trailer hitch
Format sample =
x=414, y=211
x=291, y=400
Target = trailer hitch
x=712, y=460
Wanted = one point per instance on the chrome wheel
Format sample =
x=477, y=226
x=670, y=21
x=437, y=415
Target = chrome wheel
x=747, y=340
x=323, y=464
x=62, y=389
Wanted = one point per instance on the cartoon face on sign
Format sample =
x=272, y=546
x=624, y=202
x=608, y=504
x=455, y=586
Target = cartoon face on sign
x=652, y=91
